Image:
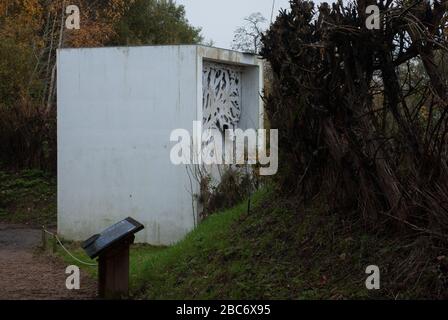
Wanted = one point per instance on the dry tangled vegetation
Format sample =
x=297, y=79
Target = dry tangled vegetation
x=363, y=118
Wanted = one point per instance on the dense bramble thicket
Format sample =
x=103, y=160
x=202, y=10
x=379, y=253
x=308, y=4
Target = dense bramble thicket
x=362, y=114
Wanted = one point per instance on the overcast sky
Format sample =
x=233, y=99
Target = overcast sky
x=220, y=18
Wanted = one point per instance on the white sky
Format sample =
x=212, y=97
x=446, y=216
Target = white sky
x=220, y=18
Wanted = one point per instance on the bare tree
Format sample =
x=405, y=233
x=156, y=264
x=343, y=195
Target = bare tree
x=247, y=38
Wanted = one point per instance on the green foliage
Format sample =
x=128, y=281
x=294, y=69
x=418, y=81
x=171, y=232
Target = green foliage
x=155, y=22
x=28, y=197
x=15, y=71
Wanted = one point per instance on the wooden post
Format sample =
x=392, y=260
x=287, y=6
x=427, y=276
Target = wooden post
x=44, y=239
x=113, y=270
x=112, y=249
x=55, y=244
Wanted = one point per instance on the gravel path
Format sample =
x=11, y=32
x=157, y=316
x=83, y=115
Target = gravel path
x=26, y=274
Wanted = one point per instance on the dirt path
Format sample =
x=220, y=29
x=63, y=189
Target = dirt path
x=25, y=274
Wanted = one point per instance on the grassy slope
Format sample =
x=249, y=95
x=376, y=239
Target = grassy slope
x=263, y=255
x=281, y=250
x=202, y=265
x=285, y=251
x=151, y=268
x=28, y=197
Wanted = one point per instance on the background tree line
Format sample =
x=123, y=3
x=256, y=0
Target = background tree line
x=31, y=31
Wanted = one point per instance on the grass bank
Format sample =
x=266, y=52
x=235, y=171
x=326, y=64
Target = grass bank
x=283, y=250
x=154, y=271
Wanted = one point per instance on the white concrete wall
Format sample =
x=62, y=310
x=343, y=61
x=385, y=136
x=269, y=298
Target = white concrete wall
x=116, y=110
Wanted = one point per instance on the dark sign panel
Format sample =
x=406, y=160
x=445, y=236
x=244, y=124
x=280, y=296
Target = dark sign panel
x=99, y=242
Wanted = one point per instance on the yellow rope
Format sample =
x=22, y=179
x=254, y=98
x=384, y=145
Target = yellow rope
x=66, y=250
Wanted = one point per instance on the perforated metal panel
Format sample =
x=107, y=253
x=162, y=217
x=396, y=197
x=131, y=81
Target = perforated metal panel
x=221, y=96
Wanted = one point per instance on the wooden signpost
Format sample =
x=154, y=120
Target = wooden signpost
x=112, y=249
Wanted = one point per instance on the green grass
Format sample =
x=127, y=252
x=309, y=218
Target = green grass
x=28, y=197
x=139, y=255
x=150, y=267
x=284, y=250
x=280, y=250
x=191, y=269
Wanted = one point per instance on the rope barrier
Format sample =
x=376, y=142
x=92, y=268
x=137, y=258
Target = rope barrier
x=66, y=250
